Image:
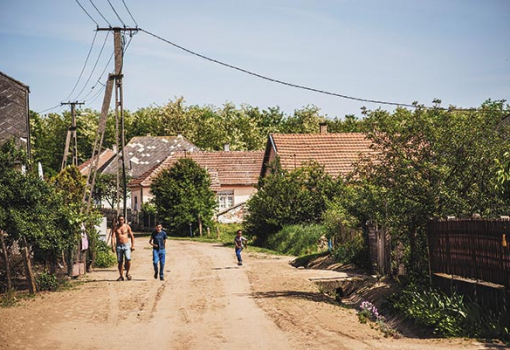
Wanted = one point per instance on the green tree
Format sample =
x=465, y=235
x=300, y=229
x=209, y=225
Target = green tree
x=292, y=197
x=431, y=163
x=182, y=196
x=32, y=212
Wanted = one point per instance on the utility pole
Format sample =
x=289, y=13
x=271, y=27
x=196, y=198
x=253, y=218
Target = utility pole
x=71, y=136
x=119, y=111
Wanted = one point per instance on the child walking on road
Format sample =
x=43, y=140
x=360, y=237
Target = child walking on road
x=158, y=242
x=239, y=242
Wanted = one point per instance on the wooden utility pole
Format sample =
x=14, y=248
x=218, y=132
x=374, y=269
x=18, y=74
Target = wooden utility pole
x=119, y=111
x=71, y=136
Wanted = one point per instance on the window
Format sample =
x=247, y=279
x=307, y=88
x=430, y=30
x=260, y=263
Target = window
x=225, y=199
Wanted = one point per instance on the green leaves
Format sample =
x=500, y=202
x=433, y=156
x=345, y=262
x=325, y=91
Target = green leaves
x=289, y=197
x=182, y=196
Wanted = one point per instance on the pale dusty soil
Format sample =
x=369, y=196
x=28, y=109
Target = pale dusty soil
x=206, y=302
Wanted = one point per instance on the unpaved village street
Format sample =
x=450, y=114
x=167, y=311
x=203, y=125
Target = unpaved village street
x=206, y=302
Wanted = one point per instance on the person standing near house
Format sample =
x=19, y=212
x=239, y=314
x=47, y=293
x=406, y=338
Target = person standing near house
x=123, y=241
x=239, y=243
x=158, y=242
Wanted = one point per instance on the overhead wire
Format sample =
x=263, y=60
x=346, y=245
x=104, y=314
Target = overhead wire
x=84, y=65
x=49, y=109
x=100, y=76
x=93, y=20
x=100, y=13
x=276, y=80
x=398, y=104
x=136, y=24
x=113, y=8
x=95, y=65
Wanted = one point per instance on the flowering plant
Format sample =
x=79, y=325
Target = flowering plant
x=368, y=311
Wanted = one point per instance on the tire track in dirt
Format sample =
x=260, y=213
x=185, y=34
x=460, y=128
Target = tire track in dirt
x=113, y=313
x=149, y=305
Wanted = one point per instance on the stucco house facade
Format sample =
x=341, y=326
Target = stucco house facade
x=234, y=175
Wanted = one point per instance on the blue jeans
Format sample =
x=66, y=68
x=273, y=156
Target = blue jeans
x=123, y=250
x=158, y=255
x=238, y=253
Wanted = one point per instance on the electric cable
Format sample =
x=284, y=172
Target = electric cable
x=95, y=65
x=136, y=24
x=100, y=13
x=276, y=80
x=96, y=95
x=93, y=20
x=100, y=76
x=120, y=19
x=83, y=69
x=296, y=85
x=48, y=109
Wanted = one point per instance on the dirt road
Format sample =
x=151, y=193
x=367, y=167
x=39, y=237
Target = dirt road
x=206, y=302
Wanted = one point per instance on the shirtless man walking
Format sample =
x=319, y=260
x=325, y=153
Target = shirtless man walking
x=121, y=241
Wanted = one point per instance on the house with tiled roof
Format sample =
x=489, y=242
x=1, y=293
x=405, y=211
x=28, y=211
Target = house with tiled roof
x=105, y=158
x=144, y=152
x=234, y=175
x=14, y=112
x=337, y=152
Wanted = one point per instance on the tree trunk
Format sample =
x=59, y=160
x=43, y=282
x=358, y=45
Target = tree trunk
x=32, y=288
x=200, y=225
x=5, y=256
x=70, y=262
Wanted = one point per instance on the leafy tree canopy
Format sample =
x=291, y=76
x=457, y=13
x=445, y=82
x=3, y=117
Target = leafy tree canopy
x=292, y=197
x=182, y=195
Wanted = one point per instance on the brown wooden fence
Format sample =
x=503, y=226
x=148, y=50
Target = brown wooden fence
x=472, y=249
x=472, y=257
x=379, y=247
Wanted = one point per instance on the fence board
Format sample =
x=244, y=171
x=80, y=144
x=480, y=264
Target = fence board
x=471, y=249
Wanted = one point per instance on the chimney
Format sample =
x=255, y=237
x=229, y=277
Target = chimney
x=226, y=147
x=323, y=128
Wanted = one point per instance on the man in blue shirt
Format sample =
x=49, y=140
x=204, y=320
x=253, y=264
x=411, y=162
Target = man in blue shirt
x=158, y=241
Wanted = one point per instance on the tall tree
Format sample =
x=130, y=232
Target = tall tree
x=433, y=163
x=183, y=197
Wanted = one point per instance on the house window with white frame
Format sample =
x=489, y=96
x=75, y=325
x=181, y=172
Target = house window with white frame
x=225, y=199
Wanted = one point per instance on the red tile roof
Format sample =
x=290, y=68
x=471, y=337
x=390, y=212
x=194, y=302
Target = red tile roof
x=336, y=151
x=236, y=168
x=104, y=157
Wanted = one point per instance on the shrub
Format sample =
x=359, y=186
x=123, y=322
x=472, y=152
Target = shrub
x=297, y=239
x=450, y=316
x=104, y=256
x=47, y=281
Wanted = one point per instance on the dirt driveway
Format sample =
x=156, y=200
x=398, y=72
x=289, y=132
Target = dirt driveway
x=206, y=302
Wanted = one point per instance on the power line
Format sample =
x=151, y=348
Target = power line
x=100, y=76
x=113, y=8
x=136, y=24
x=84, y=65
x=94, y=68
x=413, y=105
x=49, y=109
x=100, y=13
x=96, y=95
x=277, y=80
x=93, y=20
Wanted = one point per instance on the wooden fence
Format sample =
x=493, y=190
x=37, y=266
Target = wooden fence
x=379, y=247
x=471, y=256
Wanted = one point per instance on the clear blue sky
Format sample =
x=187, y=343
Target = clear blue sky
x=399, y=51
